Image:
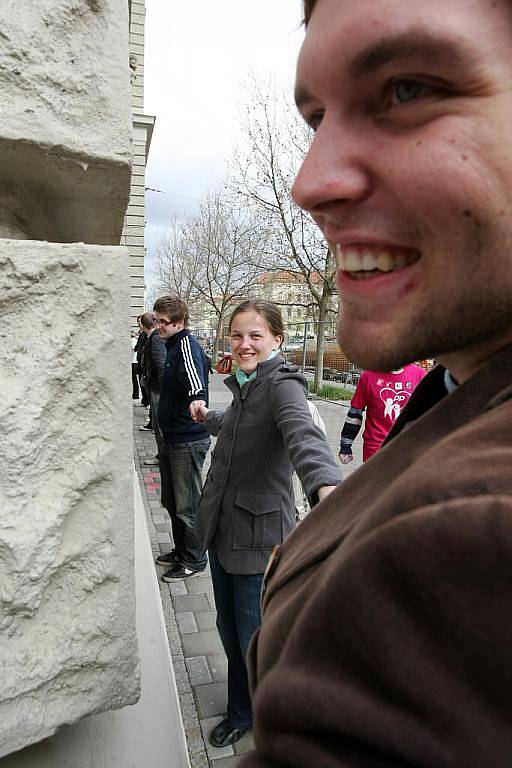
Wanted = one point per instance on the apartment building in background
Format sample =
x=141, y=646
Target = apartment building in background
x=133, y=230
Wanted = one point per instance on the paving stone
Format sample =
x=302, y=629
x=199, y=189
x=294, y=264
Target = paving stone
x=206, y=620
x=155, y=504
x=201, y=643
x=211, y=600
x=246, y=744
x=199, y=584
x=190, y=603
x=162, y=527
x=186, y=622
x=196, y=748
x=211, y=699
x=198, y=670
x=177, y=587
x=207, y=725
x=188, y=709
x=182, y=678
x=218, y=664
x=159, y=519
x=163, y=538
x=225, y=762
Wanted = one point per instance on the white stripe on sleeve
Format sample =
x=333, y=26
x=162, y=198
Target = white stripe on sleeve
x=194, y=380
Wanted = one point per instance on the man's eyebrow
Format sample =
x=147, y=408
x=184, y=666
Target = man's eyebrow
x=438, y=48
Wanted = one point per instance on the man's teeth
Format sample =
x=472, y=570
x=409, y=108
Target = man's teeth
x=352, y=260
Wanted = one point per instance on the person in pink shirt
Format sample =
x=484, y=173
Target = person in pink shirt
x=383, y=395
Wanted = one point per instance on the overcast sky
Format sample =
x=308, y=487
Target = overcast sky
x=197, y=55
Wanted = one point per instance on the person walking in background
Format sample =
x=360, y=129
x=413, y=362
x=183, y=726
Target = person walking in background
x=135, y=376
x=141, y=340
x=247, y=505
x=152, y=363
x=383, y=396
x=186, y=443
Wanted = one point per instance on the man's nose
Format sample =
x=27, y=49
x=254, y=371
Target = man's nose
x=335, y=170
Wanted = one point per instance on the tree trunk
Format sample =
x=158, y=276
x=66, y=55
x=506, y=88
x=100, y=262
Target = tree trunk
x=320, y=342
x=219, y=343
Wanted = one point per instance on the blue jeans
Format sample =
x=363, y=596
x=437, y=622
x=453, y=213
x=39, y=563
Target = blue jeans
x=180, y=473
x=237, y=599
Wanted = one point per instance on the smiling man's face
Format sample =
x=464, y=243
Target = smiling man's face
x=409, y=174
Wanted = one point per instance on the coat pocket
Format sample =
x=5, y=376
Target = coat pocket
x=258, y=519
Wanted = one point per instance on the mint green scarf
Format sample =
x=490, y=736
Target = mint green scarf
x=244, y=378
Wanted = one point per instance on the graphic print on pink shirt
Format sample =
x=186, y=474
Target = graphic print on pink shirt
x=384, y=395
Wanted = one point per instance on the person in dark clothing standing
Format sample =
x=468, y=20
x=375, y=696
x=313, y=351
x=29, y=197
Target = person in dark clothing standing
x=138, y=350
x=153, y=361
x=184, y=380
x=135, y=366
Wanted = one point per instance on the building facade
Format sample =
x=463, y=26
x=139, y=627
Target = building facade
x=133, y=230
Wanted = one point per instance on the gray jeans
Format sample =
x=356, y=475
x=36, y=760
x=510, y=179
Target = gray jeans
x=180, y=472
x=154, y=399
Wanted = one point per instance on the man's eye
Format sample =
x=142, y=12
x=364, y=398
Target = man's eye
x=403, y=91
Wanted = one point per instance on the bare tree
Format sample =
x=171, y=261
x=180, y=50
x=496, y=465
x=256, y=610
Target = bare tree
x=176, y=262
x=277, y=141
x=212, y=258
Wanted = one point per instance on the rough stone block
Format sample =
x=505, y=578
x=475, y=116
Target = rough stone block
x=66, y=121
x=67, y=615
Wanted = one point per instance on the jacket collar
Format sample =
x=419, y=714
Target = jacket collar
x=262, y=370
x=172, y=340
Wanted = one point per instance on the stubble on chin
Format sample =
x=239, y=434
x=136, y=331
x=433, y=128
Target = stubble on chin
x=370, y=354
x=473, y=320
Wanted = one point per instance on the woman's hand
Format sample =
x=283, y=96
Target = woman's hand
x=324, y=491
x=198, y=411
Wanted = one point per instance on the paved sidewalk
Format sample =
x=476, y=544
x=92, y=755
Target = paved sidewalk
x=199, y=662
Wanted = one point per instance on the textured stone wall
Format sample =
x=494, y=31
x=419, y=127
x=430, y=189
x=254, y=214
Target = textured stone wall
x=67, y=620
x=66, y=116
x=67, y=637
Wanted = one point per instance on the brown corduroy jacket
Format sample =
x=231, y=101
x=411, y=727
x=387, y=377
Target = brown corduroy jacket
x=387, y=615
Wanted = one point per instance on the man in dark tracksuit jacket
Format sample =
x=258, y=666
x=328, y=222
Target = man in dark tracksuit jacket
x=184, y=379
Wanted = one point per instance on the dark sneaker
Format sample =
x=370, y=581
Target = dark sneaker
x=146, y=428
x=179, y=572
x=225, y=734
x=168, y=558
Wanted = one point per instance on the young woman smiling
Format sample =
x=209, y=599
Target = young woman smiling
x=247, y=505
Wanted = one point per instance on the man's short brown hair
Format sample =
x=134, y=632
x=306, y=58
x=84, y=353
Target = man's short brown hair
x=147, y=320
x=174, y=307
